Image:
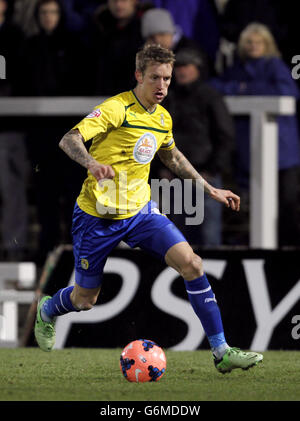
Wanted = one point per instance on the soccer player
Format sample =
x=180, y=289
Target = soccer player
x=114, y=204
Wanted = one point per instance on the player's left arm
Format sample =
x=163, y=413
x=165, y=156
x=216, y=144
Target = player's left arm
x=180, y=166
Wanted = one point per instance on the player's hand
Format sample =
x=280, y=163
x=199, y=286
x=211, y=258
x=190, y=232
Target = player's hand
x=229, y=199
x=101, y=171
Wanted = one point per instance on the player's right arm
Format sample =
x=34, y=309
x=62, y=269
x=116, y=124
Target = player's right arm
x=73, y=145
x=108, y=116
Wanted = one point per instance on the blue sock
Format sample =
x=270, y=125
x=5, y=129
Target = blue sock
x=58, y=305
x=205, y=306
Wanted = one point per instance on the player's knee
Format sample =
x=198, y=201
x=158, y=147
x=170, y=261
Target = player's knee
x=191, y=267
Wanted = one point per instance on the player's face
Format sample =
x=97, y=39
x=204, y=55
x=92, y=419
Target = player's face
x=49, y=16
x=255, y=46
x=122, y=9
x=154, y=83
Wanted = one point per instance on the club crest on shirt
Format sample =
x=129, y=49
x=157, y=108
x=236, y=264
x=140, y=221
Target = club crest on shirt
x=162, y=120
x=95, y=113
x=145, y=148
x=84, y=263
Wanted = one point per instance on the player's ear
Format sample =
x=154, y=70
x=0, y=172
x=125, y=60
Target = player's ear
x=139, y=76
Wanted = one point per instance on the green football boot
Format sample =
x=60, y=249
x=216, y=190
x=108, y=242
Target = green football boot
x=235, y=358
x=44, y=332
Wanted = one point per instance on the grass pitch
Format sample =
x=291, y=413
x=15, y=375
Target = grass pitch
x=29, y=374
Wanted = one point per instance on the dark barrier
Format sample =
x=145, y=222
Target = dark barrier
x=258, y=293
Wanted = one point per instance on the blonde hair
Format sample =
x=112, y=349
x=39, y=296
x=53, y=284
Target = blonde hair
x=262, y=30
x=152, y=53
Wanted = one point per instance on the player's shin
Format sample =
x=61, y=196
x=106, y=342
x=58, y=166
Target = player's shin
x=205, y=306
x=58, y=305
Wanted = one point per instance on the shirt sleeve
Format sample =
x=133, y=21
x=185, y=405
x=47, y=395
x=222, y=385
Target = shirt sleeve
x=106, y=116
x=169, y=143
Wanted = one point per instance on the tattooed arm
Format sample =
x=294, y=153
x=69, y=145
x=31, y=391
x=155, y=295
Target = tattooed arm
x=73, y=145
x=180, y=166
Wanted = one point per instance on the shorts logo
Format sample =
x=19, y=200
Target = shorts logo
x=95, y=113
x=84, y=264
x=145, y=148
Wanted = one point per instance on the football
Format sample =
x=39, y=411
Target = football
x=143, y=361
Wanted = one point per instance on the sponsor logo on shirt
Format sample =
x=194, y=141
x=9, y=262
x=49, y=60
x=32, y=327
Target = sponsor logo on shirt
x=145, y=148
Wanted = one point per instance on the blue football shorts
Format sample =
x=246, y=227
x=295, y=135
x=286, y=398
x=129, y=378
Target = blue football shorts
x=94, y=238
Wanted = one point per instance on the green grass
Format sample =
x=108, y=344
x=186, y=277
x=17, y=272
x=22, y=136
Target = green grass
x=29, y=374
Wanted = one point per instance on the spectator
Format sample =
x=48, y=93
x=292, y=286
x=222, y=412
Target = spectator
x=219, y=6
x=239, y=13
x=198, y=21
x=117, y=37
x=158, y=27
x=204, y=132
x=13, y=159
x=51, y=69
x=50, y=57
x=79, y=13
x=79, y=16
x=24, y=16
x=259, y=70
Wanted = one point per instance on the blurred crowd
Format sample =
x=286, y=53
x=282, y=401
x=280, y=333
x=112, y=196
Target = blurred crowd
x=88, y=47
